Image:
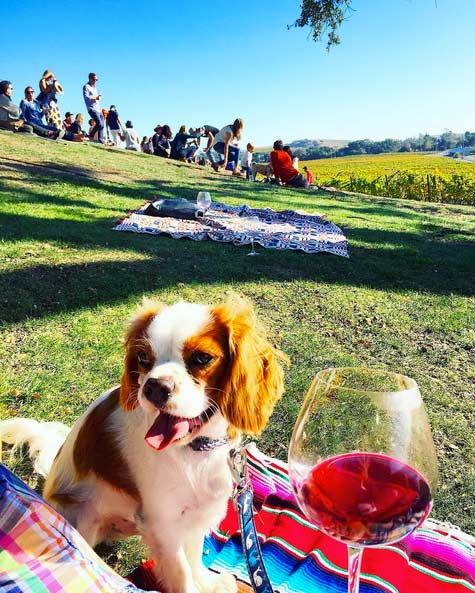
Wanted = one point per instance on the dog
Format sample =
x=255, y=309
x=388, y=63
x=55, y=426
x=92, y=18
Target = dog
x=149, y=457
x=264, y=169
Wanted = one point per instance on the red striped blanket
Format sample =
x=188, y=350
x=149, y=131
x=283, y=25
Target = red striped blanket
x=299, y=558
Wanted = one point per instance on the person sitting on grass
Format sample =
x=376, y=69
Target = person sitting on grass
x=180, y=147
x=226, y=143
x=146, y=145
x=32, y=113
x=161, y=141
x=283, y=169
x=92, y=132
x=295, y=159
x=76, y=126
x=9, y=112
x=132, y=140
x=68, y=120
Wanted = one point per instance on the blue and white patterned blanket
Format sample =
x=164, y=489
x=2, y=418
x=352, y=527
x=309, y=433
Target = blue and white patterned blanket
x=240, y=225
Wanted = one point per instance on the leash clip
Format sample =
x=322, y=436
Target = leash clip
x=238, y=466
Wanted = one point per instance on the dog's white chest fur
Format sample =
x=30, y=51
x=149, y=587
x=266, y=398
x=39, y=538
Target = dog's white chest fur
x=185, y=489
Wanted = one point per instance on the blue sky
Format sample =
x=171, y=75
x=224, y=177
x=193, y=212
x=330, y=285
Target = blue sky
x=404, y=66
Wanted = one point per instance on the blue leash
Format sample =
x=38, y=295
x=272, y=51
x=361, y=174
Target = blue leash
x=243, y=500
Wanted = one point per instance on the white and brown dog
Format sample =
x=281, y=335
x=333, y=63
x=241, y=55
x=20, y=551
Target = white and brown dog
x=150, y=457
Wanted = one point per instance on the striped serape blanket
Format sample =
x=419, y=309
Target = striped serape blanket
x=240, y=225
x=300, y=559
x=41, y=553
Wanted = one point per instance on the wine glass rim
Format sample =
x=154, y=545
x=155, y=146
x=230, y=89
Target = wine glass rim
x=409, y=384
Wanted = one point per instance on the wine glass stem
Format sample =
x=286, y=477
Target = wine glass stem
x=354, y=567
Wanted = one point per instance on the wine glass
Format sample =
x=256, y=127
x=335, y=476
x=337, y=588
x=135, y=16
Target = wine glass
x=254, y=220
x=362, y=462
x=203, y=200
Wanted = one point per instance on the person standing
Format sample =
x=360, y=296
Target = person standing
x=47, y=98
x=115, y=125
x=246, y=160
x=91, y=99
x=309, y=175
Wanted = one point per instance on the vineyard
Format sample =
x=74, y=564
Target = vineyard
x=400, y=175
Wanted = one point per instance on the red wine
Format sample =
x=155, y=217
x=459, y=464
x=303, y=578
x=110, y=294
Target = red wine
x=364, y=498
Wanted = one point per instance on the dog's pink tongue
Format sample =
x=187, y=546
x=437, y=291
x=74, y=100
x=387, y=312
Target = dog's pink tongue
x=165, y=430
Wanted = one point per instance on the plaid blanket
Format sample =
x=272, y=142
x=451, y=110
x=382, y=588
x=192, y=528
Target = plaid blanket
x=287, y=229
x=299, y=558
x=41, y=553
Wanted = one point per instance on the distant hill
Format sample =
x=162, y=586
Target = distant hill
x=309, y=143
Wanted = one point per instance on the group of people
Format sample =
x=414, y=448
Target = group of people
x=40, y=114
x=221, y=150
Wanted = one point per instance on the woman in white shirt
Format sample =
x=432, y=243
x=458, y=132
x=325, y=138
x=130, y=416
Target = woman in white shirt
x=225, y=143
x=132, y=140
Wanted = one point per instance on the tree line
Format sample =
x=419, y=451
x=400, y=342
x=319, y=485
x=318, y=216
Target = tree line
x=310, y=150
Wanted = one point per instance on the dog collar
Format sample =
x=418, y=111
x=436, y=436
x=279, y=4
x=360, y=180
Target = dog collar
x=207, y=443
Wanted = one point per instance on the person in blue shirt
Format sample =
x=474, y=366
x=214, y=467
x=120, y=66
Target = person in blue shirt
x=32, y=112
x=181, y=149
x=91, y=99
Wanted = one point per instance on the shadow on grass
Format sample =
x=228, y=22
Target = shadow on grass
x=46, y=173
x=385, y=260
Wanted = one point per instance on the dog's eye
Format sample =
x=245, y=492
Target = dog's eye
x=143, y=358
x=200, y=359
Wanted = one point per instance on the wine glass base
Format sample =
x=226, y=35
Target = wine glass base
x=252, y=253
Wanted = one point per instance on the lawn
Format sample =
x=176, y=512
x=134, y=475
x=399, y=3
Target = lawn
x=402, y=301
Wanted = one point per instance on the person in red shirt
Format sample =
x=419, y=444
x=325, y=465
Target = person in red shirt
x=283, y=169
x=309, y=175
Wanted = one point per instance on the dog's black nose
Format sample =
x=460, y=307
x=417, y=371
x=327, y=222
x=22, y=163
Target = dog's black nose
x=157, y=391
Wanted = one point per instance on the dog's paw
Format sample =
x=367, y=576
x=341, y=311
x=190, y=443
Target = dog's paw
x=218, y=583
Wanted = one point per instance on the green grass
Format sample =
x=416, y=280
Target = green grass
x=403, y=301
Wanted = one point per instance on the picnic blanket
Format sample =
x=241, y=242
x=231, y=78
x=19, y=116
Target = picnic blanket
x=41, y=553
x=286, y=229
x=299, y=558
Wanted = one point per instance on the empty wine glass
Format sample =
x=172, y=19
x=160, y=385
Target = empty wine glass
x=254, y=220
x=203, y=200
x=362, y=462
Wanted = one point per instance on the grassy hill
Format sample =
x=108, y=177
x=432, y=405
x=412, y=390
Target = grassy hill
x=403, y=301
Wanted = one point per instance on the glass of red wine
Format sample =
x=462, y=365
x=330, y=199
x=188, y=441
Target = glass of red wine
x=362, y=462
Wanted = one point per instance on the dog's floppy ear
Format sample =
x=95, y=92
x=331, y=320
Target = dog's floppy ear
x=135, y=339
x=255, y=381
